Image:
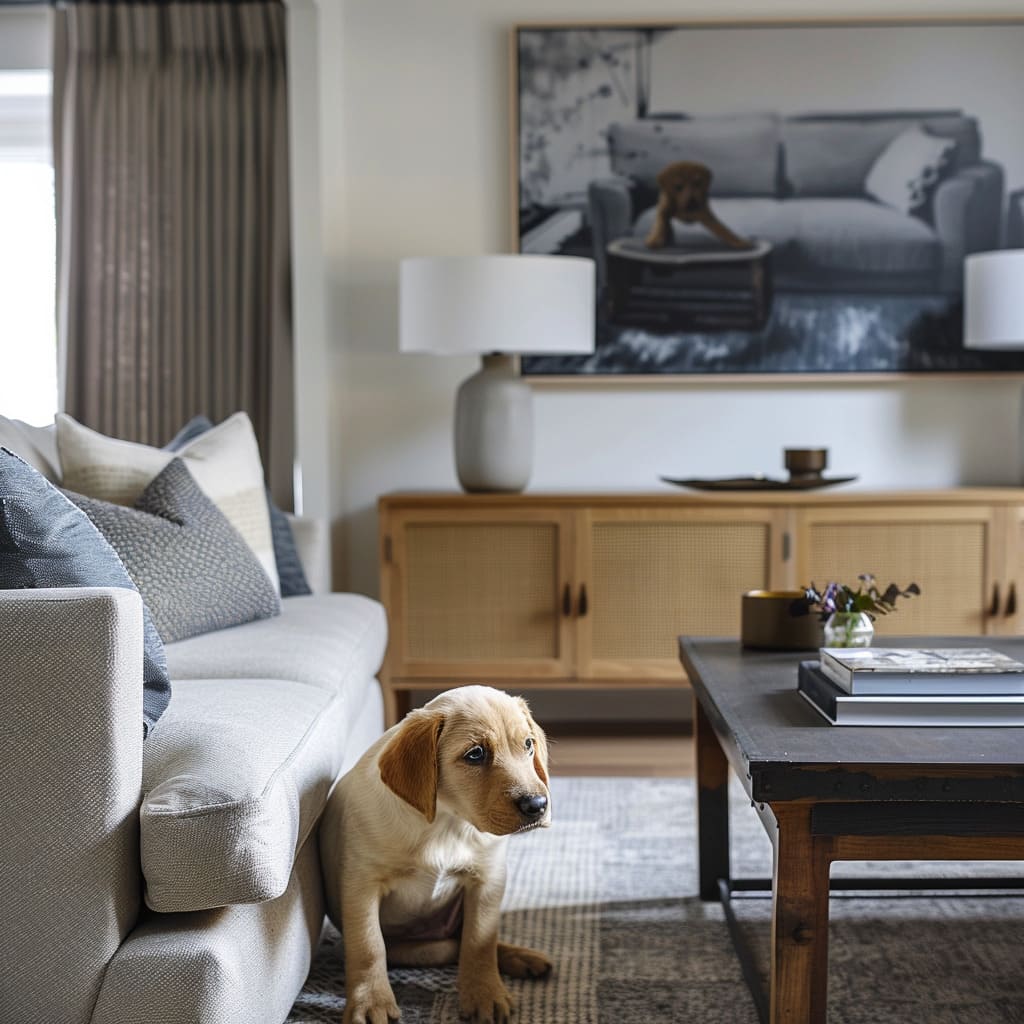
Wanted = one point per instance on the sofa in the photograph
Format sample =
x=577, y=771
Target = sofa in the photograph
x=886, y=202
x=176, y=878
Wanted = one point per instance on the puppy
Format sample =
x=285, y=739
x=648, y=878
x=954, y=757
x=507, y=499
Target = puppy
x=413, y=850
x=684, y=195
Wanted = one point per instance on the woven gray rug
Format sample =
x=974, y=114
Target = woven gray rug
x=609, y=892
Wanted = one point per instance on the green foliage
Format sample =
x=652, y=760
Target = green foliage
x=838, y=597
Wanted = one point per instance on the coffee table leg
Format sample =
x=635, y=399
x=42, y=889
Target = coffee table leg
x=712, y=808
x=799, y=971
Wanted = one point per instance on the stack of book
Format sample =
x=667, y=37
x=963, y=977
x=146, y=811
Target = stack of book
x=958, y=686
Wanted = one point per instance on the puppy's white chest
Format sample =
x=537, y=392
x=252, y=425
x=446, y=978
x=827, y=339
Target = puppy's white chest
x=430, y=889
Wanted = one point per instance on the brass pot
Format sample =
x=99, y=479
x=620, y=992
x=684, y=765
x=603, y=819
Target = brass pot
x=766, y=622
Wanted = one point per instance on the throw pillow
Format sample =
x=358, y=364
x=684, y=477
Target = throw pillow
x=225, y=462
x=290, y=573
x=908, y=168
x=36, y=445
x=192, y=568
x=45, y=541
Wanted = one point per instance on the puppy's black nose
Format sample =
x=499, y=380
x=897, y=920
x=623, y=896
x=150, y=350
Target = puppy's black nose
x=532, y=806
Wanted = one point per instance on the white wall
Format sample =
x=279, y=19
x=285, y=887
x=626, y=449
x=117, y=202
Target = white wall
x=25, y=38
x=415, y=118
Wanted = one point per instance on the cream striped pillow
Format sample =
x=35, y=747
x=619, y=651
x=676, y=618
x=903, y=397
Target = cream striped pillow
x=225, y=462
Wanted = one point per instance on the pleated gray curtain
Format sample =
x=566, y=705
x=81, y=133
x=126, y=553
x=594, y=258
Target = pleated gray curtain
x=174, y=253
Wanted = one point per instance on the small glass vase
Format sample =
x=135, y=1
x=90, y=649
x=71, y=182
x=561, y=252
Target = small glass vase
x=848, y=629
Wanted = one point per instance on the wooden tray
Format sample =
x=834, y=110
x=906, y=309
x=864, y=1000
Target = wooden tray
x=757, y=483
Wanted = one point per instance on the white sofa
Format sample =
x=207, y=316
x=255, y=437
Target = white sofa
x=176, y=879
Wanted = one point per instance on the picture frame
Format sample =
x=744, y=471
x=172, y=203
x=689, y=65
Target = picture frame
x=853, y=164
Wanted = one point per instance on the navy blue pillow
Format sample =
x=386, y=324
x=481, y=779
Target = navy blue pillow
x=46, y=541
x=286, y=554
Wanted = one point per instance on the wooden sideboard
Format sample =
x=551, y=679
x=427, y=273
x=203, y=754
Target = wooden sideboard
x=587, y=591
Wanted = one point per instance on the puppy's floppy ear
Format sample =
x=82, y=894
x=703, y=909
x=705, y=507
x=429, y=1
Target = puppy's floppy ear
x=540, y=744
x=408, y=764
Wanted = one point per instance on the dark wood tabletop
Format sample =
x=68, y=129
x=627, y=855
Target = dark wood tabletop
x=783, y=750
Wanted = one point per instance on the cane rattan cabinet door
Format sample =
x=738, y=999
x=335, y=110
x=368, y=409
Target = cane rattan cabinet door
x=649, y=575
x=950, y=552
x=479, y=594
x=1006, y=611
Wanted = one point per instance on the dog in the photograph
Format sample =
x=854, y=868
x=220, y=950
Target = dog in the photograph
x=684, y=189
x=413, y=845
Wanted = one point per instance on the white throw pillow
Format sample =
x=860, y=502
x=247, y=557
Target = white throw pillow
x=36, y=445
x=225, y=462
x=908, y=168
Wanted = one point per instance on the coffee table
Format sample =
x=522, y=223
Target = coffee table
x=699, y=287
x=826, y=793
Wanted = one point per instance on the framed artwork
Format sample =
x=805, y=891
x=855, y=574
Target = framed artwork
x=771, y=198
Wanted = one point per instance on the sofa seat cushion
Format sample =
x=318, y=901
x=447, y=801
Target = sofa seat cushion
x=847, y=235
x=234, y=780
x=320, y=640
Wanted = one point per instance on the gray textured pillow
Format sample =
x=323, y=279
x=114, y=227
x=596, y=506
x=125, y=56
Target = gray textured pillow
x=192, y=567
x=290, y=572
x=46, y=542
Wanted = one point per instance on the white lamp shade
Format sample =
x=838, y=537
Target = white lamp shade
x=994, y=300
x=511, y=303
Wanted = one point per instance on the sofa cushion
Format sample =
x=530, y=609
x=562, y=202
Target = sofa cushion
x=225, y=462
x=192, y=567
x=290, y=572
x=849, y=235
x=234, y=781
x=45, y=541
x=908, y=169
x=860, y=236
x=36, y=445
x=320, y=640
x=831, y=156
x=742, y=150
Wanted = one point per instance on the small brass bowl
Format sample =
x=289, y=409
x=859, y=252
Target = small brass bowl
x=767, y=623
x=804, y=463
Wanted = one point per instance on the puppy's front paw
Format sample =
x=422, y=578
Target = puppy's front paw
x=485, y=1001
x=371, y=1003
x=520, y=962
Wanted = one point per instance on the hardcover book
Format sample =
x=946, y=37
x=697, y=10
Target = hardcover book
x=952, y=671
x=841, y=708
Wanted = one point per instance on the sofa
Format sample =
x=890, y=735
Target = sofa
x=176, y=878
x=810, y=185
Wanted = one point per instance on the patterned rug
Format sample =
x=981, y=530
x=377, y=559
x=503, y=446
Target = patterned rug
x=609, y=892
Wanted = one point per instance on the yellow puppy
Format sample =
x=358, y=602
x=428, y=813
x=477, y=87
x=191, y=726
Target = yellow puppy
x=413, y=846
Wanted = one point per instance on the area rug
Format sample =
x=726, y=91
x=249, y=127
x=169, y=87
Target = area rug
x=610, y=893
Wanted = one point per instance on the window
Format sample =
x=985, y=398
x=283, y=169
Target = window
x=28, y=334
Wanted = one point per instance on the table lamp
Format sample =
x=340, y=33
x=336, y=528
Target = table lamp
x=994, y=308
x=496, y=306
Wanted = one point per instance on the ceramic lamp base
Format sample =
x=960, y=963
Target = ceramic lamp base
x=494, y=428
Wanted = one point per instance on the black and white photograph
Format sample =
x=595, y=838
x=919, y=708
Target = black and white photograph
x=778, y=198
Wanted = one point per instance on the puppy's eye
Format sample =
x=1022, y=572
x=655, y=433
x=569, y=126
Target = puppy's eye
x=529, y=744
x=475, y=755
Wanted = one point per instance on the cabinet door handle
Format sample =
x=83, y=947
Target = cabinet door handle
x=994, y=610
x=1011, y=601
x=583, y=600
x=567, y=601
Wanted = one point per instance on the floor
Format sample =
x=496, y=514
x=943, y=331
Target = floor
x=639, y=750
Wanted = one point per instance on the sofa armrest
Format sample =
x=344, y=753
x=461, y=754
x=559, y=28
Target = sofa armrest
x=610, y=205
x=967, y=209
x=313, y=541
x=71, y=781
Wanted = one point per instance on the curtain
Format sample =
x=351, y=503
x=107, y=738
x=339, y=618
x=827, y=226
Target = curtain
x=173, y=237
